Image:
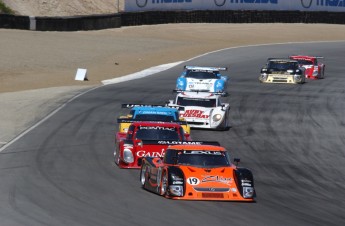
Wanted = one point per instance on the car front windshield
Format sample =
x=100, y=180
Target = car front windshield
x=184, y=101
x=203, y=158
x=281, y=65
x=201, y=75
x=157, y=133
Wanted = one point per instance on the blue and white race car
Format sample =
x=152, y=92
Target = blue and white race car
x=153, y=113
x=202, y=79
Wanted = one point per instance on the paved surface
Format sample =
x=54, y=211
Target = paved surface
x=39, y=60
x=291, y=136
x=23, y=109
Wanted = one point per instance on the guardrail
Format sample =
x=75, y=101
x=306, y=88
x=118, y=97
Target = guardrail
x=97, y=22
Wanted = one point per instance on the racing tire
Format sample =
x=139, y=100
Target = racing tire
x=143, y=176
x=116, y=160
x=163, y=184
x=323, y=73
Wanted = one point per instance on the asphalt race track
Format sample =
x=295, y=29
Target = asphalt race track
x=291, y=136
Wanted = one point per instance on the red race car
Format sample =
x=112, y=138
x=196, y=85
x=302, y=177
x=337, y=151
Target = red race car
x=146, y=139
x=313, y=69
x=197, y=172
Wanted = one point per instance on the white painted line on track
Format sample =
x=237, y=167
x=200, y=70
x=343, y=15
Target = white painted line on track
x=141, y=74
x=44, y=119
x=145, y=73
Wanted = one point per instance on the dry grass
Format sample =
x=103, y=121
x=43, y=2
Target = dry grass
x=5, y=9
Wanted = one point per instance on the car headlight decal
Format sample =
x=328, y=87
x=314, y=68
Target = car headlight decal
x=248, y=192
x=264, y=77
x=217, y=117
x=297, y=77
x=128, y=156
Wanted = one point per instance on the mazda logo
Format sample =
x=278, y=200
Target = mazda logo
x=306, y=3
x=141, y=3
x=219, y=2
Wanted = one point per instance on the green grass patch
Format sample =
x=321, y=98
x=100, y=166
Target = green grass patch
x=5, y=9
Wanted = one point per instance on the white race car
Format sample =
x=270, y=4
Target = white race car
x=202, y=110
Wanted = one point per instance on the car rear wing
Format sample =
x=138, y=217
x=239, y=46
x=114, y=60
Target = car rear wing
x=150, y=105
x=198, y=68
x=317, y=57
x=200, y=91
x=141, y=105
x=120, y=120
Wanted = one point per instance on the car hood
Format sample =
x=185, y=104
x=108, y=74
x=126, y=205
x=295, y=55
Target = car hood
x=205, y=178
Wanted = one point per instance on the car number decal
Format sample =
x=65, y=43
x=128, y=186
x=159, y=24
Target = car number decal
x=193, y=181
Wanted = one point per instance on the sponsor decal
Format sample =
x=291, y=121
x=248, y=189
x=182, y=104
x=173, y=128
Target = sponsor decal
x=246, y=181
x=335, y=3
x=193, y=181
x=143, y=153
x=220, y=179
x=143, y=3
x=221, y=3
x=155, y=112
x=306, y=3
x=177, y=182
x=194, y=114
x=128, y=146
x=179, y=142
x=156, y=128
x=202, y=152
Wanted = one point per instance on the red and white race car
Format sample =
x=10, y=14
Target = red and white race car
x=145, y=139
x=202, y=110
x=313, y=69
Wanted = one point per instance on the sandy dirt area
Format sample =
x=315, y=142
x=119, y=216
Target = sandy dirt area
x=31, y=60
x=37, y=69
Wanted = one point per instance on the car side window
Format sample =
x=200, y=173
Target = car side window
x=182, y=133
x=130, y=132
x=169, y=156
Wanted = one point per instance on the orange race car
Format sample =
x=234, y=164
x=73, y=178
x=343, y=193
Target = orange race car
x=197, y=172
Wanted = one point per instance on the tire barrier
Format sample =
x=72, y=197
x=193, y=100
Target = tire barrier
x=78, y=23
x=14, y=22
x=97, y=22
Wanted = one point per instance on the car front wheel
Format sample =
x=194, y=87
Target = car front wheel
x=164, y=184
x=143, y=175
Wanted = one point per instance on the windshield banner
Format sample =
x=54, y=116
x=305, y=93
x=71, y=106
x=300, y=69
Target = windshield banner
x=181, y=5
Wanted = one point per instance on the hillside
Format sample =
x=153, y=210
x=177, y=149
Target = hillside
x=63, y=7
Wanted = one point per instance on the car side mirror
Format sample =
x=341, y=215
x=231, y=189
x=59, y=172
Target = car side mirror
x=223, y=107
x=138, y=142
x=236, y=160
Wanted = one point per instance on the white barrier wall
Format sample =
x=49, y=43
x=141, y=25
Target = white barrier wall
x=181, y=5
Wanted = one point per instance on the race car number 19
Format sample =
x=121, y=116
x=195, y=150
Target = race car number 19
x=193, y=181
